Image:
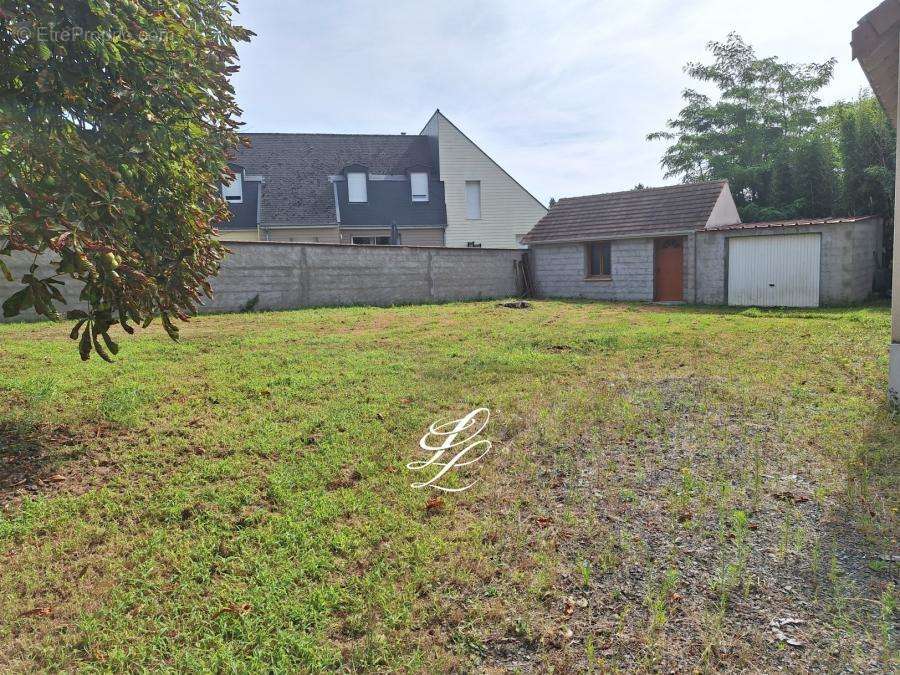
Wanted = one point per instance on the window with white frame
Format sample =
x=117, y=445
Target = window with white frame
x=233, y=192
x=473, y=199
x=356, y=188
x=418, y=183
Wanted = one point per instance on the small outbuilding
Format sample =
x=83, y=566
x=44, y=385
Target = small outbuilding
x=686, y=243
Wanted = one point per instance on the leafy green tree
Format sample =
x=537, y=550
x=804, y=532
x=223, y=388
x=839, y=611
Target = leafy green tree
x=814, y=178
x=763, y=106
x=865, y=143
x=116, y=124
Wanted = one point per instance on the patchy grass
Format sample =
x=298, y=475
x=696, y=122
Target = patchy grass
x=671, y=488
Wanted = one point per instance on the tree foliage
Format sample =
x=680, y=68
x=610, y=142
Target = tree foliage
x=766, y=132
x=116, y=123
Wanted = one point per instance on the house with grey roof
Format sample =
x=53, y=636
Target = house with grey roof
x=435, y=188
x=686, y=243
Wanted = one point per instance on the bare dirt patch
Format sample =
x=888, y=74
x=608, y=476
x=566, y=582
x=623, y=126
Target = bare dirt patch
x=52, y=460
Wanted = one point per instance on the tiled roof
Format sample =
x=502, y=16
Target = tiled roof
x=653, y=210
x=876, y=43
x=296, y=168
x=789, y=223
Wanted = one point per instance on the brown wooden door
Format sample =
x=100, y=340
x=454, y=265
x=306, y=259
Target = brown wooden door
x=668, y=272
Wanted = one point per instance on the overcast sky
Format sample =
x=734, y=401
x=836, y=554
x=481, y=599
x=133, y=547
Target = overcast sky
x=560, y=92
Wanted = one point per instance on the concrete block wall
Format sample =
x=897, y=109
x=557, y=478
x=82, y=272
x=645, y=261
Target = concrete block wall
x=19, y=264
x=291, y=276
x=868, y=247
x=559, y=271
x=851, y=254
x=690, y=281
x=711, y=282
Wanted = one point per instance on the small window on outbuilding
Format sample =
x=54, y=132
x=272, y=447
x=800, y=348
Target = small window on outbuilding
x=598, y=258
x=418, y=183
x=356, y=188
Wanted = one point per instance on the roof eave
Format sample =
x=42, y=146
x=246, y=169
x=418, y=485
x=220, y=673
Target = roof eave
x=644, y=234
x=875, y=44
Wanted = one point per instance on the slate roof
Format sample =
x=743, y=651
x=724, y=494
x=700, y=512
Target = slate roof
x=651, y=211
x=296, y=168
x=876, y=44
x=789, y=223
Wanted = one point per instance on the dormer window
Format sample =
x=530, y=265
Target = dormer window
x=356, y=188
x=234, y=192
x=418, y=183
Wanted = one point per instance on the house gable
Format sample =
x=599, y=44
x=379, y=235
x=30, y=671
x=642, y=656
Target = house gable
x=507, y=210
x=725, y=211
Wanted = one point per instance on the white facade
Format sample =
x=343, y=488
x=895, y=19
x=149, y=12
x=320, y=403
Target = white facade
x=485, y=205
x=725, y=212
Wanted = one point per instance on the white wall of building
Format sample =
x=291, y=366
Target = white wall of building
x=508, y=211
x=725, y=211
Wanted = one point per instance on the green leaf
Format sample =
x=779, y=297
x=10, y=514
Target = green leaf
x=73, y=335
x=110, y=344
x=55, y=294
x=98, y=347
x=84, y=346
x=148, y=212
x=5, y=271
x=18, y=302
x=171, y=328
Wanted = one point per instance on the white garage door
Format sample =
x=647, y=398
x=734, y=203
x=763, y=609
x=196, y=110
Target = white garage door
x=774, y=271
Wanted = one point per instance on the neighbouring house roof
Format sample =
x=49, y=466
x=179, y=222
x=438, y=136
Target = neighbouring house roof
x=787, y=223
x=876, y=44
x=652, y=211
x=296, y=167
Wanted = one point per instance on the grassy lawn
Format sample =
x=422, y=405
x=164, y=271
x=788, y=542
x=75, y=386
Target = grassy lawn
x=665, y=482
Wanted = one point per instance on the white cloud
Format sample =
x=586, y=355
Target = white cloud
x=561, y=92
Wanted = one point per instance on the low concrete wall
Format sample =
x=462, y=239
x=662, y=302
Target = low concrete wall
x=290, y=276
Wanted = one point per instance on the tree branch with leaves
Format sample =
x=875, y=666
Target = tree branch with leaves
x=117, y=121
x=763, y=106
